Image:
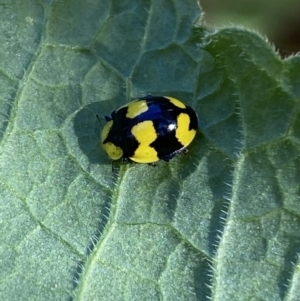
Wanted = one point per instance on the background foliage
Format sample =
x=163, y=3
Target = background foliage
x=277, y=19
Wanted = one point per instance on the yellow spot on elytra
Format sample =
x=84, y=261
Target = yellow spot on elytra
x=176, y=102
x=135, y=108
x=113, y=151
x=183, y=134
x=145, y=134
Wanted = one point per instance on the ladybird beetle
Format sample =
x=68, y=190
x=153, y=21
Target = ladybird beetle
x=149, y=129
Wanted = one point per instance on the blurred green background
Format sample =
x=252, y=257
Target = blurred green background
x=279, y=20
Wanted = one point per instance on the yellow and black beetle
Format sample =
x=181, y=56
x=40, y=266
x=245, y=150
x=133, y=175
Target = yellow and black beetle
x=149, y=129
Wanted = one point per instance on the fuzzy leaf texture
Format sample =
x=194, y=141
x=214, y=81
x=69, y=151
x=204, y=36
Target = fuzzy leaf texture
x=222, y=223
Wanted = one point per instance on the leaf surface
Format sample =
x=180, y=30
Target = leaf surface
x=222, y=223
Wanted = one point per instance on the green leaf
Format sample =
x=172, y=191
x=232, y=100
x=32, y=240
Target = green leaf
x=222, y=223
